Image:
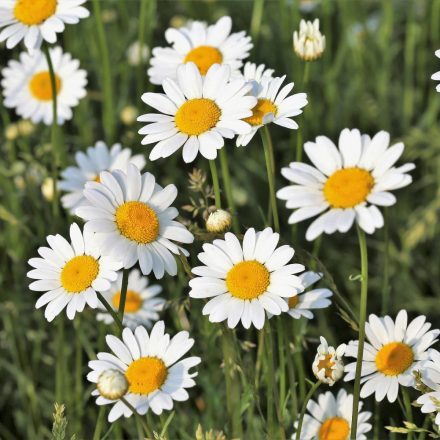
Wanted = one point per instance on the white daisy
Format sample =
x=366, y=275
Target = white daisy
x=273, y=105
x=89, y=164
x=393, y=352
x=328, y=366
x=200, y=44
x=134, y=221
x=196, y=112
x=330, y=418
x=149, y=362
x=27, y=87
x=246, y=280
x=309, y=43
x=256, y=72
x=37, y=20
x=141, y=304
x=436, y=76
x=71, y=273
x=347, y=183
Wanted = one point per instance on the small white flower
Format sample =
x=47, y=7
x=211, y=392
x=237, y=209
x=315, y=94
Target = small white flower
x=328, y=366
x=47, y=188
x=137, y=55
x=219, y=221
x=309, y=44
x=112, y=384
x=436, y=76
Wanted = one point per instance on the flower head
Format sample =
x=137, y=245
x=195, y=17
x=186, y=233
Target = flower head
x=436, y=76
x=309, y=43
x=112, y=384
x=137, y=54
x=328, y=366
x=218, y=221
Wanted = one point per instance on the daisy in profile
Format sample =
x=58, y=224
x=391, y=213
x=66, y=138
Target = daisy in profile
x=134, y=220
x=328, y=366
x=36, y=20
x=393, y=351
x=202, y=45
x=308, y=43
x=330, y=418
x=142, y=306
x=436, y=76
x=346, y=184
x=88, y=166
x=196, y=112
x=246, y=280
x=71, y=273
x=150, y=362
x=27, y=87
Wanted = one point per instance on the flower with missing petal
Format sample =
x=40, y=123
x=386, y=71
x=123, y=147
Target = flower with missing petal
x=328, y=366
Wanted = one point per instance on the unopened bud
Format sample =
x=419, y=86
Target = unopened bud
x=219, y=221
x=112, y=384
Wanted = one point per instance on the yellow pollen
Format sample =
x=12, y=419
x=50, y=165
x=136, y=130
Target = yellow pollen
x=41, y=86
x=31, y=12
x=394, y=358
x=263, y=107
x=334, y=428
x=293, y=301
x=204, y=57
x=146, y=375
x=138, y=222
x=133, y=301
x=197, y=116
x=326, y=364
x=79, y=273
x=248, y=279
x=97, y=179
x=348, y=187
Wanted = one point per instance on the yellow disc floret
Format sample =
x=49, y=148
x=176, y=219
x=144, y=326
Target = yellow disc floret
x=248, y=279
x=34, y=12
x=146, y=375
x=394, y=358
x=326, y=364
x=79, y=273
x=204, y=57
x=41, y=86
x=334, y=428
x=138, y=222
x=293, y=301
x=197, y=116
x=133, y=301
x=348, y=187
x=264, y=106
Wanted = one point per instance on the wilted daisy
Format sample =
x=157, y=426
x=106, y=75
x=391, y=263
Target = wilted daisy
x=150, y=363
x=134, y=221
x=71, y=273
x=196, y=112
x=330, y=418
x=436, y=75
x=37, y=20
x=246, y=279
x=142, y=306
x=393, y=351
x=309, y=43
x=328, y=366
x=347, y=183
x=88, y=166
x=200, y=44
x=27, y=86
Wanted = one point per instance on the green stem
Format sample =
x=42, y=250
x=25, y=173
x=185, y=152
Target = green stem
x=99, y=423
x=408, y=409
x=138, y=417
x=215, y=184
x=143, y=10
x=304, y=408
x=226, y=175
x=299, y=137
x=123, y=296
x=298, y=357
x=282, y=359
x=386, y=267
x=362, y=319
x=110, y=310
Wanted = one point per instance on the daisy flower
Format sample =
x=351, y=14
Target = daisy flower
x=309, y=43
x=36, y=20
x=347, y=183
x=393, y=351
x=71, y=273
x=256, y=72
x=200, y=44
x=151, y=365
x=436, y=76
x=246, y=280
x=141, y=304
x=328, y=366
x=330, y=418
x=196, y=112
x=134, y=221
x=88, y=166
x=27, y=87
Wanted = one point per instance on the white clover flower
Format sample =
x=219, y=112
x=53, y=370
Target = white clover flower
x=328, y=366
x=309, y=43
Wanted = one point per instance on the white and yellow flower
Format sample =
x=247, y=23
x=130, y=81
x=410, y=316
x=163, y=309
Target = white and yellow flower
x=328, y=366
x=309, y=43
x=393, y=351
x=150, y=362
x=88, y=166
x=71, y=273
x=330, y=418
x=200, y=44
x=142, y=306
x=246, y=280
x=36, y=20
x=347, y=184
x=436, y=76
x=256, y=72
x=134, y=221
x=196, y=112
x=27, y=86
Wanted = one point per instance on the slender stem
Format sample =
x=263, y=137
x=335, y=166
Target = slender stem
x=299, y=136
x=110, y=310
x=408, y=409
x=226, y=175
x=386, y=267
x=215, y=183
x=123, y=296
x=298, y=357
x=362, y=318
x=138, y=417
x=270, y=380
x=99, y=423
x=304, y=408
x=143, y=10
x=282, y=359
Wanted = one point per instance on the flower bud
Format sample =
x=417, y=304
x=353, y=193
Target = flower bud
x=112, y=384
x=47, y=188
x=309, y=43
x=219, y=221
x=328, y=366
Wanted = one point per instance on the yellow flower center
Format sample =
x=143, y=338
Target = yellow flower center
x=197, y=116
x=41, y=86
x=79, y=273
x=138, y=222
x=263, y=107
x=293, y=301
x=348, y=187
x=146, y=375
x=248, y=279
x=334, y=428
x=97, y=179
x=32, y=12
x=326, y=364
x=204, y=57
x=394, y=358
x=133, y=301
